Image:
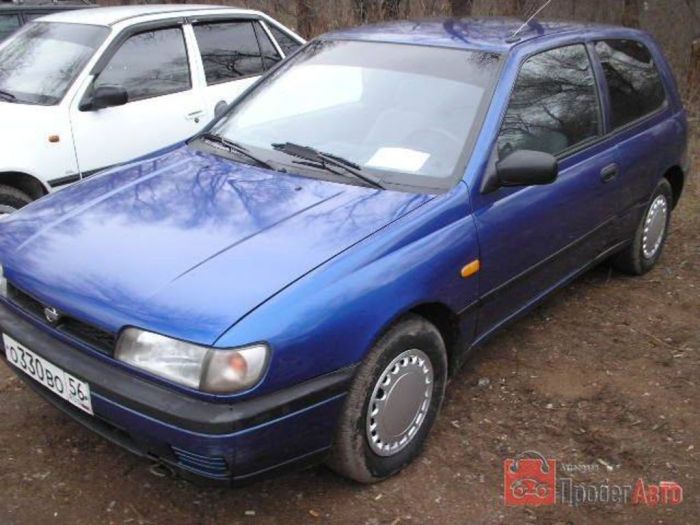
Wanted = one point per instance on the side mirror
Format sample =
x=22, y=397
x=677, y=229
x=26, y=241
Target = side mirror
x=106, y=97
x=220, y=108
x=527, y=168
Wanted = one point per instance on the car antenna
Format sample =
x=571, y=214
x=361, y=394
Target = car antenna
x=514, y=37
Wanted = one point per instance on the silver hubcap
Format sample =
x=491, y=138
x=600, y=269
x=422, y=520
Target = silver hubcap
x=654, y=227
x=399, y=402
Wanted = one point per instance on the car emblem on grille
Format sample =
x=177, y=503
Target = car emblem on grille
x=52, y=315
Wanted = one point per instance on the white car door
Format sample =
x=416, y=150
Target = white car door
x=233, y=53
x=163, y=104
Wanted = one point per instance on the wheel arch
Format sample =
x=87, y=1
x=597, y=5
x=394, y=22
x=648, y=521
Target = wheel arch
x=444, y=319
x=24, y=182
x=676, y=178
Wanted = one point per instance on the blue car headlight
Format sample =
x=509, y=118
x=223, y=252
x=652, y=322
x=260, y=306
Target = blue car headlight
x=213, y=370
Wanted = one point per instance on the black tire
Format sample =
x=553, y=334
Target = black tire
x=632, y=259
x=351, y=455
x=12, y=199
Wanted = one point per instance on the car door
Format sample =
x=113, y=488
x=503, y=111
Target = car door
x=533, y=238
x=163, y=107
x=637, y=121
x=233, y=54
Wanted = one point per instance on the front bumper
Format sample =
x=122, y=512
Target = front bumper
x=233, y=441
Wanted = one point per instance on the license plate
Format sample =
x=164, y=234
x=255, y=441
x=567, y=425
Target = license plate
x=60, y=382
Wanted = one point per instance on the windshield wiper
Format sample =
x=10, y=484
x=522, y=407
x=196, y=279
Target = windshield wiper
x=7, y=95
x=237, y=148
x=326, y=161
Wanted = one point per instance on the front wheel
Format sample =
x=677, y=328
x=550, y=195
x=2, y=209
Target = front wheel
x=12, y=199
x=392, y=403
x=649, y=239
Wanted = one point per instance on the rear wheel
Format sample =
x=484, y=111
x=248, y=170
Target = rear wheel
x=12, y=199
x=392, y=403
x=650, y=237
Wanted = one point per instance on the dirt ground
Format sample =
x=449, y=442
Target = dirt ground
x=603, y=375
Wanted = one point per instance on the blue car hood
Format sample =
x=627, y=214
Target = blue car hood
x=185, y=243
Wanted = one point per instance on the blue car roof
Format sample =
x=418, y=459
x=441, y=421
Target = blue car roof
x=489, y=34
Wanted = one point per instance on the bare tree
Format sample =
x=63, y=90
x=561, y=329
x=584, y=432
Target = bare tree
x=520, y=8
x=361, y=10
x=306, y=18
x=630, y=13
x=461, y=7
x=390, y=9
x=372, y=10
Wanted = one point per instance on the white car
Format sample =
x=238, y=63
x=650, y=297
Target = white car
x=81, y=91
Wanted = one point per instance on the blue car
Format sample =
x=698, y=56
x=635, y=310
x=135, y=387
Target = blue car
x=298, y=282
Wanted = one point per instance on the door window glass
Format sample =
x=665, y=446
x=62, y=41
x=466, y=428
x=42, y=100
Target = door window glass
x=229, y=50
x=269, y=53
x=554, y=105
x=149, y=64
x=8, y=24
x=286, y=42
x=634, y=83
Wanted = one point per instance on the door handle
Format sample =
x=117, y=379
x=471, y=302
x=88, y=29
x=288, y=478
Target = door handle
x=195, y=115
x=609, y=172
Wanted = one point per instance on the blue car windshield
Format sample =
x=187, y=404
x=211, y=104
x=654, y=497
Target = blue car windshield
x=404, y=113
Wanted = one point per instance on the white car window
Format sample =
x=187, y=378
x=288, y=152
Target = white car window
x=8, y=25
x=149, y=64
x=38, y=63
x=286, y=42
x=229, y=50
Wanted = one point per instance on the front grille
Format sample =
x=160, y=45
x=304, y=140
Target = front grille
x=92, y=336
x=25, y=301
x=99, y=339
x=210, y=466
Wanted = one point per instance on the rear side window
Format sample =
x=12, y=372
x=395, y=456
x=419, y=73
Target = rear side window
x=270, y=55
x=554, y=105
x=229, y=50
x=149, y=64
x=286, y=42
x=634, y=83
x=8, y=24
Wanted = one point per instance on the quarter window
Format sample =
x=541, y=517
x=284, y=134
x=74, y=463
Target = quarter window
x=634, y=83
x=149, y=64
x=269, y=52
x=229, y=50
x=8, y=24
x=554, y=105
x=286, y=42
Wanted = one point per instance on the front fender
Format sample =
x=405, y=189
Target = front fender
x=331, y=317
x=24, y=136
